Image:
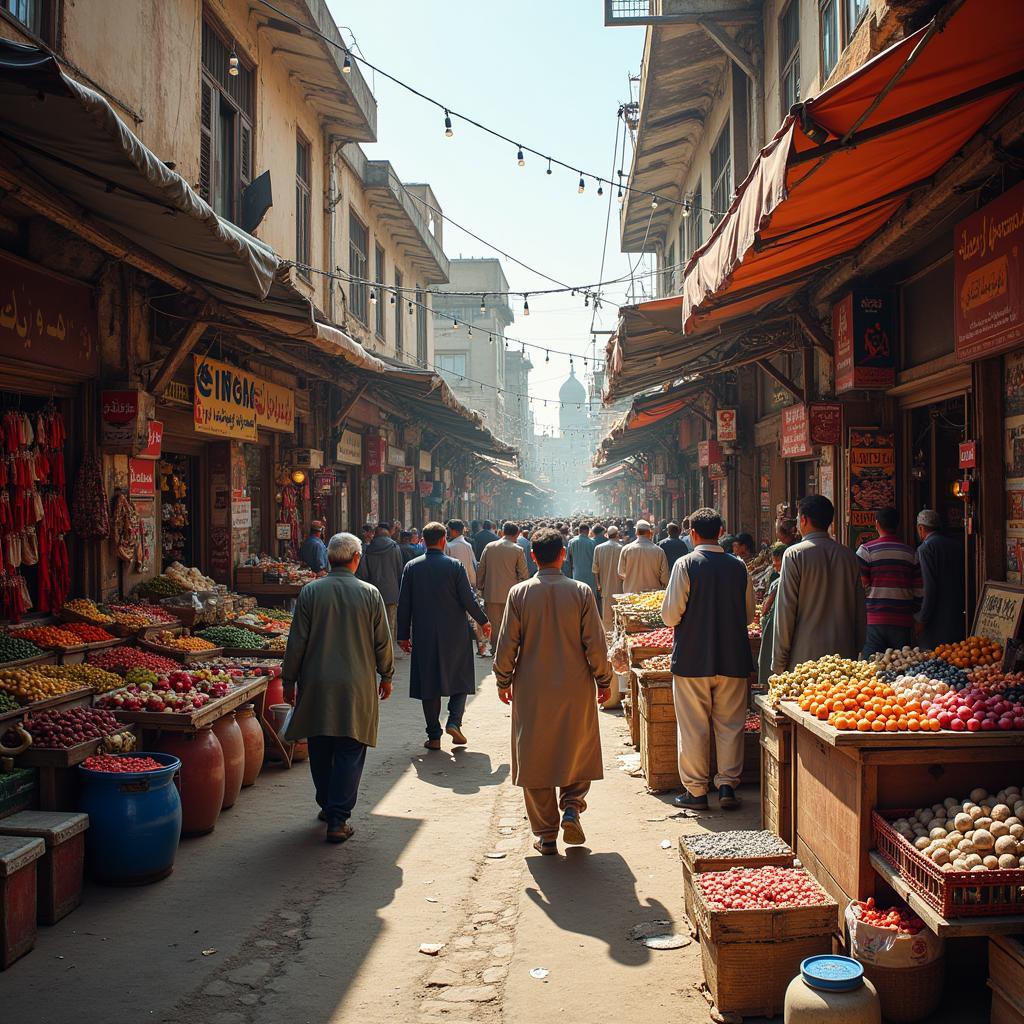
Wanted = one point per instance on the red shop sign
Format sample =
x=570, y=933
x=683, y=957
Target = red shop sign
x=709, y=453
x=987, y=277
x=826, y=423
x=725, y=425
x=154, y=441
x=796, y=436
x=968, y=454
x=375, y=453
x=865, y=345
x=141, y=478
x=405, y=480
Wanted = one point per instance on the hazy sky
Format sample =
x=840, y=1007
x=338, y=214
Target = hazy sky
x=546, y=73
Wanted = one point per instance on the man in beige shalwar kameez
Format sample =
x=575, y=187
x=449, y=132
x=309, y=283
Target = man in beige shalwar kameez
x=552, y=667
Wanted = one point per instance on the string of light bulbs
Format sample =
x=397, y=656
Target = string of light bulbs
x=397, y=293
x=521, y=150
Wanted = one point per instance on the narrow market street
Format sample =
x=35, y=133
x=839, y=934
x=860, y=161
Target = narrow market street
x=261, y=921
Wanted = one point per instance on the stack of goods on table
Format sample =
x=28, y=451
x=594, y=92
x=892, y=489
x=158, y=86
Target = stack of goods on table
x=122, y=659
x=635, y=613
x=181, y=646
x=756, y=916
x=268, y=621
x=17, y=649
x=123, y=619
x=234, y=638
x=172, y=692
x=273, y=572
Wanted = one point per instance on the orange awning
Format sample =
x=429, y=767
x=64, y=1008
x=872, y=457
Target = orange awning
x=881, y=133
x=641, y=425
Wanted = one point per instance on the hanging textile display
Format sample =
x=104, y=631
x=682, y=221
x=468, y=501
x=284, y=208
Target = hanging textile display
x=89, y=507
x=125, y=532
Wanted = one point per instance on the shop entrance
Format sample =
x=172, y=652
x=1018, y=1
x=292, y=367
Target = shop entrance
x=179, y=481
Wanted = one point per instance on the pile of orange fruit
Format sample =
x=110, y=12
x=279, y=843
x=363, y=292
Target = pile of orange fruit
x=866, y=707
x=975, y=650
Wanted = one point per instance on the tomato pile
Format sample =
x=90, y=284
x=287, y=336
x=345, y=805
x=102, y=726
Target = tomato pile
x=894, y=919
x=58, y=730
x=760, y=889
x=48, y=636
x=121, y=763
x=663, y=637
x=752, y=723
x=121, y=659
x=88, y=634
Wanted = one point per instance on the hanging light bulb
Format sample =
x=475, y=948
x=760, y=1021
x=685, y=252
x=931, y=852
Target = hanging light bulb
x=712, y=219
x=520, y=159
x=392, y=298
x=586, y=300
x=448, y=133
x=410, y=307
x=621, y=197
x=233, y=63
x=654, y=202
x=483, y=308
x=687, y=208
x=549, y=165
x=346, y=67
x=526, y=305
x=582, y=186
x=455, y=325
x=547, y=356
x=373, y=297
x=469, y=333
x=600, y=187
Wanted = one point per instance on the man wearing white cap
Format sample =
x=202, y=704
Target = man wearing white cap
x=941, y=617
x=642, y=564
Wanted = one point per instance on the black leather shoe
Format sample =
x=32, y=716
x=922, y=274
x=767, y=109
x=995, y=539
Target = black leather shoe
x=727, y=798
x=691, y=802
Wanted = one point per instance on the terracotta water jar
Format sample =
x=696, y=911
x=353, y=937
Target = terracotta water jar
x=233, y=745
x=252, y=737
x=201, y=779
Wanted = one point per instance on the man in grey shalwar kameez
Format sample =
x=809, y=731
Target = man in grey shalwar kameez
x=338, y=644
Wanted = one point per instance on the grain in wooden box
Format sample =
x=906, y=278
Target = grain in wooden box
x=657, y=732
x=695, y=865
x=750, y=956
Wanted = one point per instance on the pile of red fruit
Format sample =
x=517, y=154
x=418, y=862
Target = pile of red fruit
x=975, y=710
x=175, y=692
x=58, y=730
x=153, y=612
x=760, y=889
x=752, y=722
x=663, y=637
x=88, y=634
x=120, y=659
x=894, y=919
x=121, y=763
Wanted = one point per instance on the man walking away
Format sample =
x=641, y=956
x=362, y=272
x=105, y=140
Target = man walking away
x=482, y=538
x=551, y=651
x=941, y=618
x=630, y=531
x=382, y=566
x=581, y=557
x=819, y=608
x=674, y=546
x=501, y=567
x=892, y=582
x=606, y=575
x=709, y=602
x=406, y=546
x=459, y=549
x=686, y=535
x=642, y=564
x=524, y=542
x=338, y=645
x=435, y=599
x=313, y=552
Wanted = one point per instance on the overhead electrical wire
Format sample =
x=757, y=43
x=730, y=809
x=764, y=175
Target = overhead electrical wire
x=519, y=148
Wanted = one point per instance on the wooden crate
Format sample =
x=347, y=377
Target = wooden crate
x=634, y=710
x=776, y=749
x=1006, y=978
x=658, y=756
x=694, y=865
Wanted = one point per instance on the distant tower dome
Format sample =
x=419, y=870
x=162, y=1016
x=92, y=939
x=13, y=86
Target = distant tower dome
x=572, y=390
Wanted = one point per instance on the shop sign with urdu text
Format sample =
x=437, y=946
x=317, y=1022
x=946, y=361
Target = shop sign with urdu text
x=987, y=278
x=230, y=402
x=865, y=343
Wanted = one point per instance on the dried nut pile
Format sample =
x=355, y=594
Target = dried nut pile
x=899, y=659
x=83, y=675
x=88, y=610
x=830, y=670
x=983, y=832
x=660, y=662
x=920, y=687
x=29, y=684
x=740, y=843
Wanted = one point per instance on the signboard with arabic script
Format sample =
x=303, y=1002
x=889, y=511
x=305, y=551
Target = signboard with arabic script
x=225, y=399
x=47, y=319
x=999, y=611
x=987, y=278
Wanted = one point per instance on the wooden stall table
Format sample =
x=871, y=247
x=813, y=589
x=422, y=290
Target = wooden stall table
x=776, y=743
x=272, y=595
x=840, y=777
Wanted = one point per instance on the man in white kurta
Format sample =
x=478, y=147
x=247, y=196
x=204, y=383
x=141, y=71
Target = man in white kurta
x=642, y=565
x=552, y=666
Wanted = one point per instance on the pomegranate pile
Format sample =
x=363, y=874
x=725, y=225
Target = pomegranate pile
x=767, y=888
x=174, y=692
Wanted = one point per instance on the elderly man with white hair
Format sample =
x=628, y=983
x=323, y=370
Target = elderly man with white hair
x=338, y=645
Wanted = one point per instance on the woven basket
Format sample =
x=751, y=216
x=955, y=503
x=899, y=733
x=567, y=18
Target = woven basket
x=908, y=994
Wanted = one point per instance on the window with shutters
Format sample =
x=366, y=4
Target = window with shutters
x=721, y=173
x=358, y=265
x=399, y=336
x=789, y=56
x=226, y=105
x=695, y=222
x=421, y=327
x=378, y=277
x=303, y=205
x=828, y=36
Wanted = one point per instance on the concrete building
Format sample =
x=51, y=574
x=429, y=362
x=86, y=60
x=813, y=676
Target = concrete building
x=471, y=355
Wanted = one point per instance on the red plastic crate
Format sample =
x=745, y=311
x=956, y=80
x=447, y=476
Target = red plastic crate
x=951, y=893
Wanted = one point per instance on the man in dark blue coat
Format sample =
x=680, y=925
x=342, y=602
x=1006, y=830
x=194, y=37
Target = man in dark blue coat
x=941, y=618
x=433, y=602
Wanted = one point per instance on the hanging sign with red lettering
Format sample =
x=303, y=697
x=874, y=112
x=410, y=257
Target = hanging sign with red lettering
x=968, y=454
x=141, y=478
x=865, y=343
x=987, y=274
x=375, y=453
x=796, y=436
x=725, y=428
x=405, y=480
x=709, y=453
x=154, y=440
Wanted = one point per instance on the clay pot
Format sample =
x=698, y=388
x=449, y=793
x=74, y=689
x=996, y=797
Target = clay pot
x=252, y=737
x=201, y=778
x=274, y=695
x=226, y=730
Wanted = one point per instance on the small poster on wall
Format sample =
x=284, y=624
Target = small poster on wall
x=872, y=479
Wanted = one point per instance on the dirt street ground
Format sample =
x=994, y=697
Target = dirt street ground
x=262, y=922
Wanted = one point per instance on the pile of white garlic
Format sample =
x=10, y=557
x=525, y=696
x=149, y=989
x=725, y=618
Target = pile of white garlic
x=919, y=687
x=984, y=832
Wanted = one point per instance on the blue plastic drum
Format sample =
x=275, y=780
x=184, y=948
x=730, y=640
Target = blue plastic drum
x=134, y=822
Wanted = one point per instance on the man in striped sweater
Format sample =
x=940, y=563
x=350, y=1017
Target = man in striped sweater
x=892, y=579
